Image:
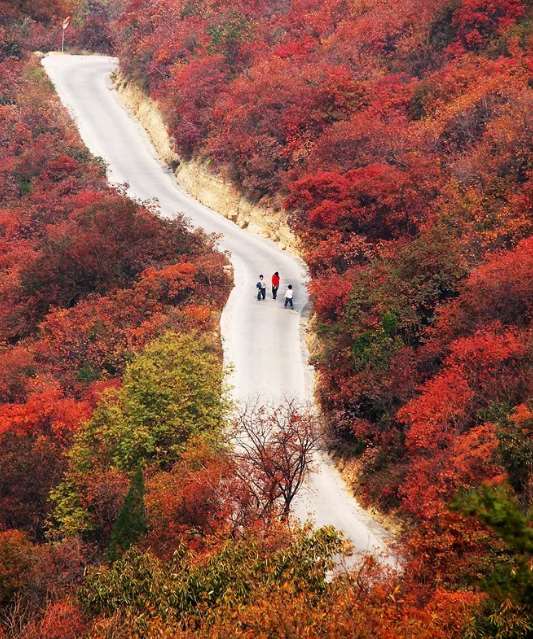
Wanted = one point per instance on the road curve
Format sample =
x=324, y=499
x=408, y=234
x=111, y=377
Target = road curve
x=263, y=342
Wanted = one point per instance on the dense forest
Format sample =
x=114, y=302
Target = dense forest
x=398, y=138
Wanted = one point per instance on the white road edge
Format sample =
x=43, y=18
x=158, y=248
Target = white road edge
x=263, y=342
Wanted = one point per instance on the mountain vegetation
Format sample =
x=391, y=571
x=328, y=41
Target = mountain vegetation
x=398, y=138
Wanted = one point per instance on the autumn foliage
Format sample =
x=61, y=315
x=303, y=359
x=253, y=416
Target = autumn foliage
x=399, y=140
x=397, y=136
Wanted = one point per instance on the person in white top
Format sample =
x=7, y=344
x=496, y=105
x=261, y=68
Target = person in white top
x=261, y=288
x=288, y=296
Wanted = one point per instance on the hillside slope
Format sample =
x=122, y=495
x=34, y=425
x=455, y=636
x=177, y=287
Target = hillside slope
x=399, y=138
x=400, y=141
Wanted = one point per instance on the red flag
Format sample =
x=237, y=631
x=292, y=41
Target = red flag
x=66, y=22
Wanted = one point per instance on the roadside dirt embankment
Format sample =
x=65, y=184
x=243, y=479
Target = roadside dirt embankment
x=197, y=179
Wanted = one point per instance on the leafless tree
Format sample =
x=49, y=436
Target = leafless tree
x=18, y=618
x=273, y=450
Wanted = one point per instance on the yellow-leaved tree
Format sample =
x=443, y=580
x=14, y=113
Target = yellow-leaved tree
x=171, y=391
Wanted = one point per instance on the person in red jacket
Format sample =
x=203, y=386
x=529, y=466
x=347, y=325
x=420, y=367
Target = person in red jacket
x=275, y=285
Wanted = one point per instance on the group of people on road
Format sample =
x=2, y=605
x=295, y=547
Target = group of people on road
x=261, y=290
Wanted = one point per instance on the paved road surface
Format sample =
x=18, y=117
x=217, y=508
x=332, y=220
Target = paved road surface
x=262, y=340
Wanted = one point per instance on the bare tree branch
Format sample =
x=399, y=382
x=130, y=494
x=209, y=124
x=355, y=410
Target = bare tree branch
x=273, y=452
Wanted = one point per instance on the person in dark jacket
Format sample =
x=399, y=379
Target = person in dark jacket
x=275, y=285
x=261, y=288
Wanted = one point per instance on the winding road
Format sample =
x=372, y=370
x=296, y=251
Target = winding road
x=263, y=342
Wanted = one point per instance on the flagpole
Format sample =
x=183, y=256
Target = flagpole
x=64, y=27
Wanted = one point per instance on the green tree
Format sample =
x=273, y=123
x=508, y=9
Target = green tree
x=131, y=522
x=141, y=585
x=508, y=611
x=171, y=391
